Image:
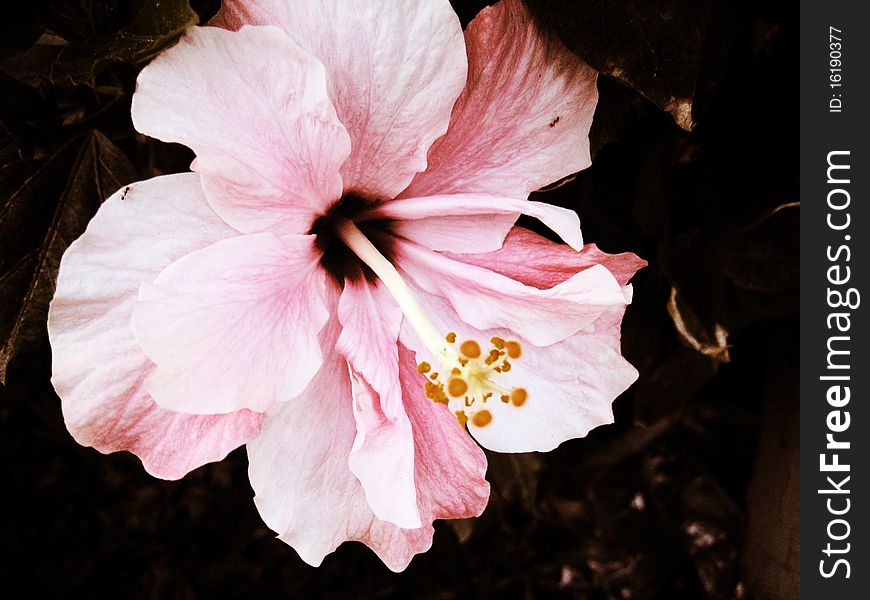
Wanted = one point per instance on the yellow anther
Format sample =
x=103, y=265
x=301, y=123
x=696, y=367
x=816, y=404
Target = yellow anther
x=519, y=396
x=461, y=417
x=435, y=392
x=482, y=418
x=470, y=349
x=470, y=378
x=457, y=387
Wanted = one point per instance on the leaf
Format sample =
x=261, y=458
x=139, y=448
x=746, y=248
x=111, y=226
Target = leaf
x=772, y=551
x=41, y=214
x=463, y=529
x=694, y=335
x=151, y=27
x=19, y=27
x=515, y=477
x=619, y=110
x=765, y=257
x=655, y=47
x=26, y=116
x=707, y=517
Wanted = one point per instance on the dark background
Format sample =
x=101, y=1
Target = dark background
x=691, y=494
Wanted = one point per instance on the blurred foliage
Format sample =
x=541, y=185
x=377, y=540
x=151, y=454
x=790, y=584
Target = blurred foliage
x=669, y=51
x=51, y=207
x=695, y=146
x=66, y=140
x=145, y=31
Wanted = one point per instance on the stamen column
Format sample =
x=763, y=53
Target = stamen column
x=360, y=245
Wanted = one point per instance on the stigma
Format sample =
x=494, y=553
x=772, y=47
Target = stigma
x=468, y=385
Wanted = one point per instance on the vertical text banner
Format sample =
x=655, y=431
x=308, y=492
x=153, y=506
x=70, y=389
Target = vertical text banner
x=835, y=266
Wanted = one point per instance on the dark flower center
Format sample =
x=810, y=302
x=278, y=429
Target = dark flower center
x=338, y=260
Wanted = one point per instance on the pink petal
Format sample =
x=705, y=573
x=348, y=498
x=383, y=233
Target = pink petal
x=571, y=384
x=450, y=468
x=522, y=120
x=539, y=262
x=254, y=108
x=316, y=504
x=234, y=325
x=471, y=223
x=395, y=69
x=98, y=369
x=485, y=299
x=382, y=457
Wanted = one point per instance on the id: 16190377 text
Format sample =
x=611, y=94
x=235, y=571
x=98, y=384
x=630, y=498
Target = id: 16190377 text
x=835, y=74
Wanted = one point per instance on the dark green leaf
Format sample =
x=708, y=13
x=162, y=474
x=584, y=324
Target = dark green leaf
x=43, y=211
x=152, y=26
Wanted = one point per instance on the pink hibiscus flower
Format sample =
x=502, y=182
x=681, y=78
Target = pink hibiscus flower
x=339, y=283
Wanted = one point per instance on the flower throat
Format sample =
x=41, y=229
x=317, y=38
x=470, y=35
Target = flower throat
x=338, y=260
x=465, y=382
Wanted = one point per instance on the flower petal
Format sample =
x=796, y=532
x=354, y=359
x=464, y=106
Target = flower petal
x=234, y=325
x=542, y=263
x=382, y=457
x=450, y=468
x=395, y=68
x=485, y=299
x=522, y=120
x=98, y=369
x=254, y=108
x=471, y=223
x=317, y=504
x=570, y=385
